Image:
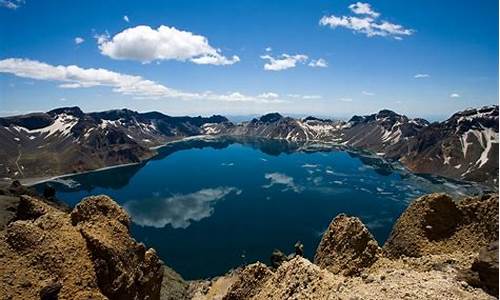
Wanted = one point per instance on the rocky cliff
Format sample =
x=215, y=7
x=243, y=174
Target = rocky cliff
x=87, y=253
x=440, y=248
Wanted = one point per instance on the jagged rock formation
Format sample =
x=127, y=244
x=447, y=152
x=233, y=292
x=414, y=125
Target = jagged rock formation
x=67, y=140
x=347, y=247
x=444, y=272
x=46, y=253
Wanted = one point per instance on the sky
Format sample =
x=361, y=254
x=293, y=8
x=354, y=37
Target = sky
x=330, y=58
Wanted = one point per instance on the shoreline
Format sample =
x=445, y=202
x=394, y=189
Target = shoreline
x=37, y=180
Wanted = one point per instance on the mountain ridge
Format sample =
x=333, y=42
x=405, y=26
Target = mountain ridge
x=463, y=147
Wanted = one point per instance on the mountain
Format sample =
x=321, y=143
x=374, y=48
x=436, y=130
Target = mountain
x=67, y=140
x=464, y=147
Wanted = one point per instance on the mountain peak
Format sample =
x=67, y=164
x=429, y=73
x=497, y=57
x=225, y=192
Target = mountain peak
x=70, y=110
x=271, y=117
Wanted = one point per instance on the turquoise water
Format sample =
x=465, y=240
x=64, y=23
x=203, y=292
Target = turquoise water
x=209, y=206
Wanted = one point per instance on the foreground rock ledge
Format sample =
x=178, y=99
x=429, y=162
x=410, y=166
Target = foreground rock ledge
x=438, y=249
x=46, y=253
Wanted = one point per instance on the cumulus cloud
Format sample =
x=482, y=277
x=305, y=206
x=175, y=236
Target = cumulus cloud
x=178, y=211
x=366, y=23
x=282, y=179
x=420, y=75
x=318, y=63
x=360, y=8
x=11, y=4
x=126, y=19
x=79, y=40
x=76, y=77
x=283, y=62
x=454, y=95
x=146, y=44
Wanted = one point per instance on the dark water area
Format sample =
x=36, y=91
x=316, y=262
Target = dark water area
x=207, y=206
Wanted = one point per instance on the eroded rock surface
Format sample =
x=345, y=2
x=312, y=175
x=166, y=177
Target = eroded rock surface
x=47, y=253
x=347, y=247
x=436, y=224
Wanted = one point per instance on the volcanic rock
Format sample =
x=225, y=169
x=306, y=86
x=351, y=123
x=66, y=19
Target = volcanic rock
x=347, y=247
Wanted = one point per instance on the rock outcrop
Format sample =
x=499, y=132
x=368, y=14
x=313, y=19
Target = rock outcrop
x=46, y=253
x=435, y=224
x=347, y=247
x=428, y=256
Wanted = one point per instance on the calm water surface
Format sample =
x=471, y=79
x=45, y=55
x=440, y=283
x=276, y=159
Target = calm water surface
x=209, y=206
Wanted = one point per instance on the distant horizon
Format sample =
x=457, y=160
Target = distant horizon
x=237, y=118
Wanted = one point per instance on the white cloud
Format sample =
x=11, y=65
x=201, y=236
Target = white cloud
x=11, y=4
x=126, y=19
x=269, y=49
x=366, y=24
x=76, y=77
x=305, y=97
x=178, y=210
x=310, y=97
x=79, y=40
x=268, y=95
x=345, y=99
x=454, y=95
x=421, y=76
x=318, y=63
x=284, y=62
x=145, y=44
x=282, y=179
x=360, y=8
x=367, y=93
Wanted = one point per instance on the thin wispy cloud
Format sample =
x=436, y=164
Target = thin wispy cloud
x=145, y=44
x=72, y=77
x=366, y=22
x=454, y=95
x=79, y=40
x=11, y=4
x=367, y=93
x=421, y=75
x=345, y=99
x=304, y=97
x=126, y=19
x=318, y=63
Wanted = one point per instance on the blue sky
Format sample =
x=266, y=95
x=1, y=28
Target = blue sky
x=321, y=57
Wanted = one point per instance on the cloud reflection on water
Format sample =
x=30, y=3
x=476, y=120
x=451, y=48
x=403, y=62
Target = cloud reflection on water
x=178, y=210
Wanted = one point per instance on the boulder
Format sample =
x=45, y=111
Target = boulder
x=347, y=247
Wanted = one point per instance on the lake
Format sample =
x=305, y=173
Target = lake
x=209, y=205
